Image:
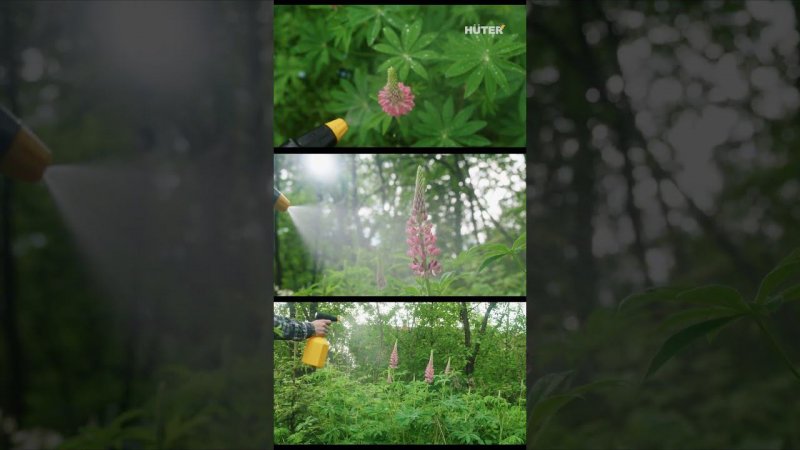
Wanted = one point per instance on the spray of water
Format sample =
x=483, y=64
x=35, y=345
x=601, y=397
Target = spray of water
x=179, y=250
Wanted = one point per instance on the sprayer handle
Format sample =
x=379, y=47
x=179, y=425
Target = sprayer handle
x=330, y=317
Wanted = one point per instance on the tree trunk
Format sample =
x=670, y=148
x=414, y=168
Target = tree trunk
x=470, y=368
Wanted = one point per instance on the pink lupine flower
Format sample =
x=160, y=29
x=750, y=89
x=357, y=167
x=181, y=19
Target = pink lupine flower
x=395, y=98
x=429, y=370
x=393, y=358
x=421, y=241
x=447, y=368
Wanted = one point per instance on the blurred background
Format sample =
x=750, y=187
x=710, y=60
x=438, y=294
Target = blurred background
x=135, y=279
x=664, y=151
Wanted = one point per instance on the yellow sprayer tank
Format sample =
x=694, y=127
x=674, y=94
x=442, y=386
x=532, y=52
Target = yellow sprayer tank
x=316, y=352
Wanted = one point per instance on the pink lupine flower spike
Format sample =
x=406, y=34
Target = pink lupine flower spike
x=395, y=98
x=421, y=241
x=429, y=370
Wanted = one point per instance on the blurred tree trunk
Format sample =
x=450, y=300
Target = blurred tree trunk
x=17, y=385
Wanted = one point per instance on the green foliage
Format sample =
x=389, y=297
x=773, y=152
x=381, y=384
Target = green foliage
x=333, y=60
x=356, y=243
x=469, y=277
x=336, y=408
x=222, y=408
x=718, y=306
x=552, y=392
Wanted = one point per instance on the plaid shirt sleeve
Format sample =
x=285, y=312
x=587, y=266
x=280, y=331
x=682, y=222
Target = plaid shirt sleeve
x=285, y=328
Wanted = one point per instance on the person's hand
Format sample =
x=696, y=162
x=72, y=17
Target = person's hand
x=321, y=327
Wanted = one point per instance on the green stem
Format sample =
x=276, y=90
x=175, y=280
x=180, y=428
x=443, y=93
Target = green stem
x=427, y=287
x=519, y=261
x=776, y=346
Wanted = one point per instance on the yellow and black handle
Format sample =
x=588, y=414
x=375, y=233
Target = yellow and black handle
x=280, y=201
x=327, y=135
x=23, y=156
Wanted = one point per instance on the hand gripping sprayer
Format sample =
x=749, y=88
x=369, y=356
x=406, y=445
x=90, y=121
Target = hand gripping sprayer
x=316, y=352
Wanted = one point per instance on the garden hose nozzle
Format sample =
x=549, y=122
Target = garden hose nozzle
x=327, y=135
x=316, y=352
x=281, y=202
x=23, y=156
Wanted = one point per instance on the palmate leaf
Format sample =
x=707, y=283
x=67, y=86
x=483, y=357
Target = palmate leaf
x=439, y=127
x=484, y=60
x=356, y=100
x=407, y=51
x=372, y=19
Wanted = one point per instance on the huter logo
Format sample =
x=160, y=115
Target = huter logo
x=479, y=29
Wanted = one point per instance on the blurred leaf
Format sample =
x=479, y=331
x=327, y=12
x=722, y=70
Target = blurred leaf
x=683, y=338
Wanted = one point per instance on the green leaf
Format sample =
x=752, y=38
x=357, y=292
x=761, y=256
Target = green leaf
x=546, y=385
x=520, y=242
x=547, y=408
x=650, y=295
x=417, y=67
x=778, y=276
x=387, y=120
x=690, y=316
x=474, y=141
x=715, y=295
x=489, y=261
x=447, y=110
x=461, y=67
x=392, y=37
x=463, y=116
x=473, y=81
x=426, y=54
x=374, y=30
x=424, y=41
x=683, y=338
x=498, y=76
x=384, y=48
x=411, y=34
x=495, y=249
x=469, y=128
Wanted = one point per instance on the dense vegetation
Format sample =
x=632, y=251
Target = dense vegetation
x=475, y=393
x=331, y=61
x=352, y=236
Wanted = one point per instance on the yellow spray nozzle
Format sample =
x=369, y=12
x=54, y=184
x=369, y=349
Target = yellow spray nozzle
x=327, y=135
x=281, y=202
x=339, y=128
x=22, y=155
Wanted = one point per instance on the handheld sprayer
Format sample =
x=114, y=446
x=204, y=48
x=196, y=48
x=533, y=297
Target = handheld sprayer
x=316, y=352
x=23, y=156
x=280, y=201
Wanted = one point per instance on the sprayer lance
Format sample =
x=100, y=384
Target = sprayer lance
x=280, y=201
x=23, y=156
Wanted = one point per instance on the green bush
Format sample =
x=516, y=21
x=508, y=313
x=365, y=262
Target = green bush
x=329, y=406
x=331, y=61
